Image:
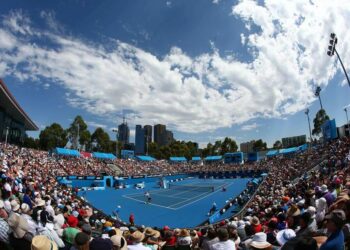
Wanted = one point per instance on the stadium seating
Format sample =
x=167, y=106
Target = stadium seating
x=299, y=194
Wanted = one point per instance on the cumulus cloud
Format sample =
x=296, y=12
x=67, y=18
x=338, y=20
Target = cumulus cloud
x=95, y=124
x=248, y=127
x=194, y=94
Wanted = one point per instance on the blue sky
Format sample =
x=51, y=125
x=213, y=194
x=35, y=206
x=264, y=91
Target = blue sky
x=206, y=69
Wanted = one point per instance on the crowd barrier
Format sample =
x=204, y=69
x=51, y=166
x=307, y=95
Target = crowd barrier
x=115, y=181
x=232, y=174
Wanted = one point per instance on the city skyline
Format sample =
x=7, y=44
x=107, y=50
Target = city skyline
x=248, y=70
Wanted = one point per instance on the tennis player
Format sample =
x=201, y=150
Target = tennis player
x=148, y=197
x=213, y=208
x=116, y=212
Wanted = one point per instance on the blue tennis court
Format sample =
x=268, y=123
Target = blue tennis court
x=175, y=207
x=180, y=195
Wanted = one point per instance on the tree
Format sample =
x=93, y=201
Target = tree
x=228, y=146
x=153, y=149
x=277, y=144
x=320, y=118
x=30, y=142
x=259, y=145
x=220, y=147
x=79, y=127
x=53, y=136
x=100, y=141
x=85, y=139
x=217, y=147
x=208, y=150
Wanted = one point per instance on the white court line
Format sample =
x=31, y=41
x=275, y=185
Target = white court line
x=188, y=199
x=199, y=198
x=171, y=197
x=148, y=203
x=157, y=194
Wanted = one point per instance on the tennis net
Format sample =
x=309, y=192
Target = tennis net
x=192, y=188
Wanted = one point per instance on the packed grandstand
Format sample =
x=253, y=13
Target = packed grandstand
x=302, y=203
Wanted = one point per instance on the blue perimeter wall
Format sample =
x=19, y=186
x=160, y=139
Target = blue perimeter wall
x=88, y=181
x=101, y=181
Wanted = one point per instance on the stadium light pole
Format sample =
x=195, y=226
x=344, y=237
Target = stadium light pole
x=331, y=50
x=147, y=136
x=6, y=135
x=308, y=119
x=318, y=94
x=347, y=119
x=78, y=136
x=116, y=131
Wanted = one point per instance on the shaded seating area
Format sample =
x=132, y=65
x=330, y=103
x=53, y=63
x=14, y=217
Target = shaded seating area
x=145, y=158
x=105, y=156
x=213, y=158
x=196, y=158
x=272, y=153
x=288, y=150
x=303, y=147
x=67, y=152
x=177, y=159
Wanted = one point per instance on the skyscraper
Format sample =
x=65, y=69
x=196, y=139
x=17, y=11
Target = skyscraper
x=148, y=136
x=140, y=140
x=247, y=147
x=169, y=137
x=124, y=133
x=160, y=134
x=148, y=133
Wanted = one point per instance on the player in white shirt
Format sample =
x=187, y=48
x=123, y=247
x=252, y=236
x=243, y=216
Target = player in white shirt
x=148, y=197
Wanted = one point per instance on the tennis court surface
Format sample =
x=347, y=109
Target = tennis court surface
x=180, y=195
x=186, y=205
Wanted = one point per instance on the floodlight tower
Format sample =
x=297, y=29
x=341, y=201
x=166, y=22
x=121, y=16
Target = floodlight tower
x=331, y=50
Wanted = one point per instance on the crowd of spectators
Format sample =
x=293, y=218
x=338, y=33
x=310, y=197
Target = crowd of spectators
x=303, y=203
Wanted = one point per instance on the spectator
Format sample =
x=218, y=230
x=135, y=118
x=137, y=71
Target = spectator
x=256, y=226
x=284, y=236
x=20, y=238
x=184, y=238
x=258, y=241
x=136, y=241
x=41, y=242
x=224, y=242
x=301, y=243
x=100, y=243
x=335, y=223
x=81, y=242
x=119, y=243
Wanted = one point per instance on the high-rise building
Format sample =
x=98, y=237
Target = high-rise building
x=247, y=147
x=148, y=133
x=169, y=137
x=160, y=134
x=123, y=133
x=293, y=141
x=140, y=140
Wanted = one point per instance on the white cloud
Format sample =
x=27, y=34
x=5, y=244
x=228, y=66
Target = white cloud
x=17, y=22
x=215, y=1
x=95, y=124
x=248, y=127
x=195, y=94
x=50, y=18
x=132, y=133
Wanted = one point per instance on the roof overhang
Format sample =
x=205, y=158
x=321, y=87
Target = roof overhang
x=11, y=106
